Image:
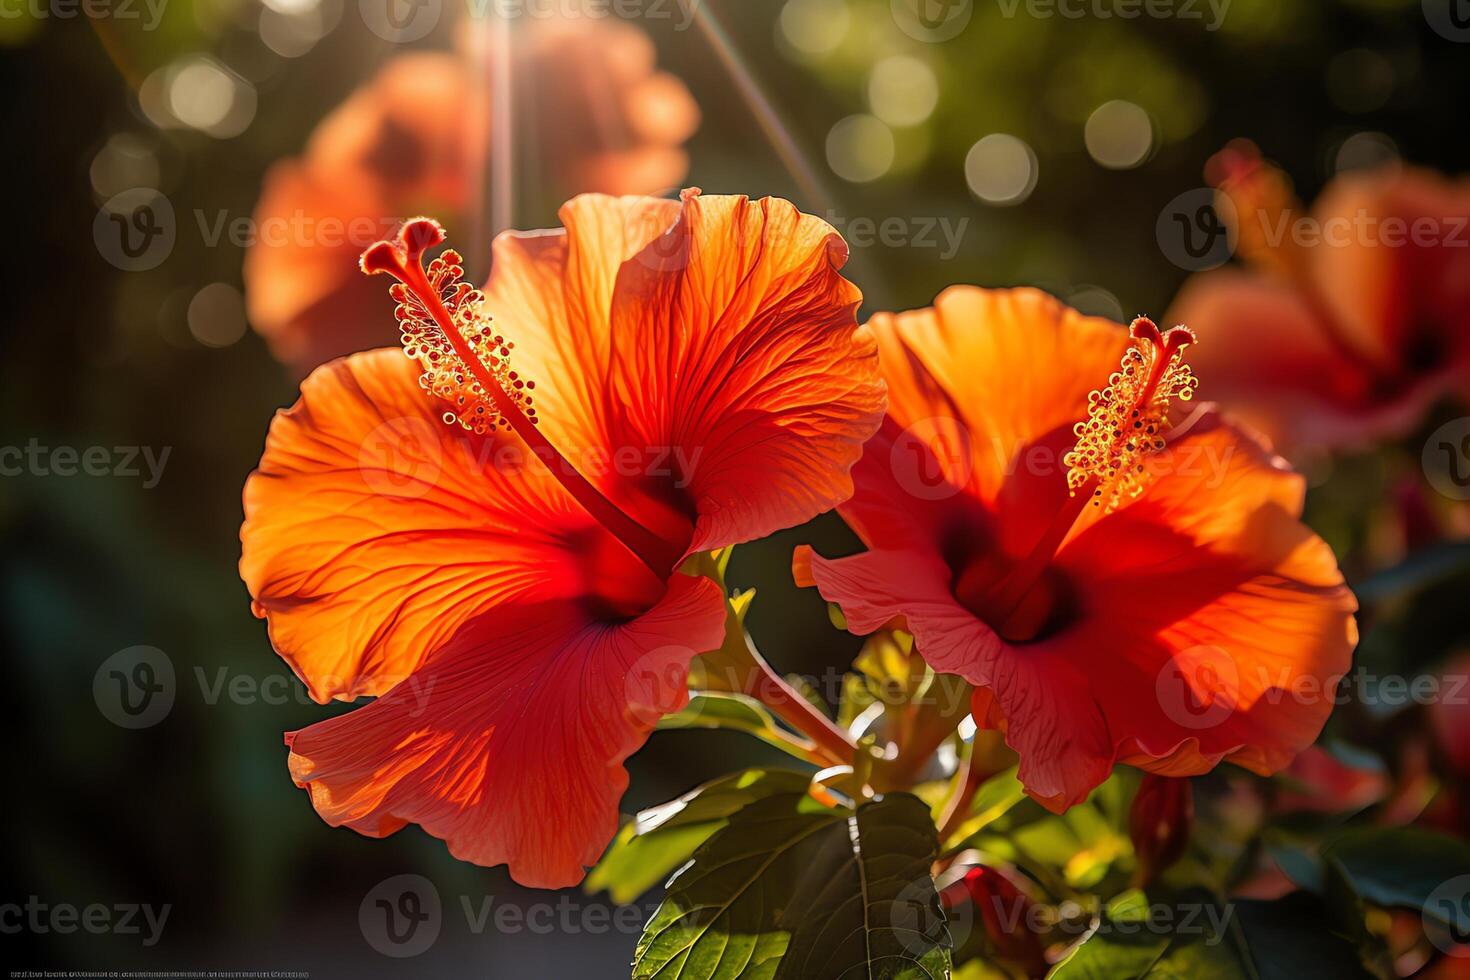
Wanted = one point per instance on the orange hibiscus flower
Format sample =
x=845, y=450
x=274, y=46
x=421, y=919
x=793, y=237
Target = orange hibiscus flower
x=1363, y=303
x=1117, y=588
x=662, y=378
x=413, y=141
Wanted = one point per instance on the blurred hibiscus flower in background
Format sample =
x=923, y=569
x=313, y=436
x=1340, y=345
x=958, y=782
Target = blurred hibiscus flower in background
x=413, y=139
x=1351, y=319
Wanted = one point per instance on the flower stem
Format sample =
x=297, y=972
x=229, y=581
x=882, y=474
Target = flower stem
x=970, y=777
x=787, y=704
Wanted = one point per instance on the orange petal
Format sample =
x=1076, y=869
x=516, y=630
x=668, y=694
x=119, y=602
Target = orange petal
x=1394, y=263
x=715, y=338
x=303, y=291
x=1210, y=557
x=1042, y=701
x=1223, y=620
x=1043, y=355
x=509, y=742
x=405, y=137
x=1265, y=355
x=373, y=530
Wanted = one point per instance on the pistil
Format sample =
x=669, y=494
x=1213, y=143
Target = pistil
x=1107, y=467
x=447, y=331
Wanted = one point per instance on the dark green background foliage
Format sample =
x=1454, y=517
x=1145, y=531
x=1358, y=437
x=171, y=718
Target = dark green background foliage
x=198, y=811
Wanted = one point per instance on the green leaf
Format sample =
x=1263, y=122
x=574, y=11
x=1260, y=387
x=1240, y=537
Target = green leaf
x=993, y=800
x=660, y=839
x=1406, y=867
x=1289, y=939
x=789, y=888
x=733, y=712
x=1184, y=935
x=1421, y=569
x=1295, y=861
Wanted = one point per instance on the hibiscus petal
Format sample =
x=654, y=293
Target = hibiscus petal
x=714, y=340
x=509, y=742
x=1265, y=354
x=1045, y=357
x=1042, y=702
x=1209, y=570
x=1213, y=623
x=373, y=530
x=1394, y=263
x=303, y=292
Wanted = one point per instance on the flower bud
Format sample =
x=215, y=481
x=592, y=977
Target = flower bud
x=1162, y=815
x=1006, y=913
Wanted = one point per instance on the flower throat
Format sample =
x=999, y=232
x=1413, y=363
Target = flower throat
x=1107, y=467
x=466, y=362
